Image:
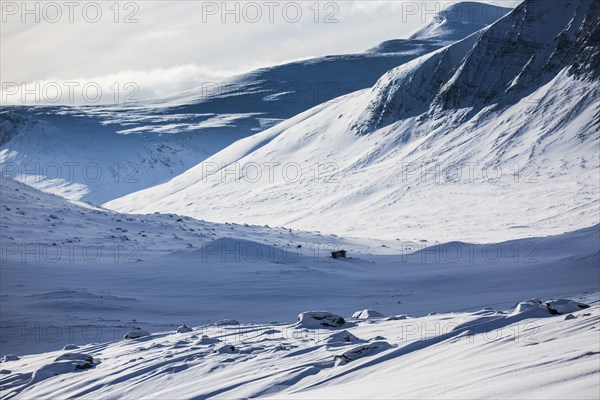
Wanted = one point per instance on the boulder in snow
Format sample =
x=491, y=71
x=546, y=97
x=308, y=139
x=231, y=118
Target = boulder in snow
x=136, y=333
x=9, y=357
x=204, y=340
x=342, y=338
x=532, y=308
x=362, y=351
x=367, y=314
x=70, y=347
x=225, y=349
x=75, y=357
x=63, y=364
x=564, y=306
x=184, y=328
x=319, y=319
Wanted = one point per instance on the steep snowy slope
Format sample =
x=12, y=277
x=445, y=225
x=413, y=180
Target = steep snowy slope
x=491, y=138
x=97, y=154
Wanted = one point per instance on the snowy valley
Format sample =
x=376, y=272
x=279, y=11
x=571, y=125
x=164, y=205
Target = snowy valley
x=420, y=220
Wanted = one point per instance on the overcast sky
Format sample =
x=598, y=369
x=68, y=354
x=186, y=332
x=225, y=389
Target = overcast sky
x=169, y=46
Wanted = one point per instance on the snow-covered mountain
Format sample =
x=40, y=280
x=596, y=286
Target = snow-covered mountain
x=458, y=20
x=490, y=138
x=97, y=154
x=377, y=221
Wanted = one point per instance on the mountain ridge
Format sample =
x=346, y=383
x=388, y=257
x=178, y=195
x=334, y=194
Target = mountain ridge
x=394, y=156
x=139, y=145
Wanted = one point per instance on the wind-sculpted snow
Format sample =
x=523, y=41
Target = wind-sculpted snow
x=461, y=352
x=456, y=174
x=100, y=275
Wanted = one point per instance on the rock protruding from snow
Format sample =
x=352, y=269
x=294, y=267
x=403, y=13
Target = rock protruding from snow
x=410, y=89
x=396, y=317
x=63, y=364
x=532, y=308
x=499, y=65
x=75, y=357
x=205, y=340
x=136, y=333
x=225, y=349
x=320, y=319
x=226, y=322
x=70, y=347
x=564, y=306
x=184, y=328
x=342, y=338
x=9, y=357
x=367, y=314
x=362, y=351
x=524, y=50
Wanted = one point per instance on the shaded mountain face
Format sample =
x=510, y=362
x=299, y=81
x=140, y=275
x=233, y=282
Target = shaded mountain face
x=525, y=51
x=498, y=66
x=116, y=150
x=437, y=149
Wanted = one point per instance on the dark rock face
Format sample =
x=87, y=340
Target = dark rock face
x=525, y=50
x=136, y=333
x=10, y=124
x=362, y=351
x=500, y=65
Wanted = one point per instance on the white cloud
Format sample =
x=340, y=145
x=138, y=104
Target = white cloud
x=170, y=48
x=164, y=35
x=120, y=86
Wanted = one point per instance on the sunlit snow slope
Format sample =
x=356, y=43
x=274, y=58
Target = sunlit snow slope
x=95, y=274
x=99, y=153
x=491, y=138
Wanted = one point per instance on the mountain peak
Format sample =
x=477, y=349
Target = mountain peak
x=459, y=20
x=504, y=63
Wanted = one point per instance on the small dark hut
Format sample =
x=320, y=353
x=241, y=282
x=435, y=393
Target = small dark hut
x=338, y=254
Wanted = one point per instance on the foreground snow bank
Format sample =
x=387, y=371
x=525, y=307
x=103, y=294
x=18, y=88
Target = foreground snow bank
x=462, y=352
